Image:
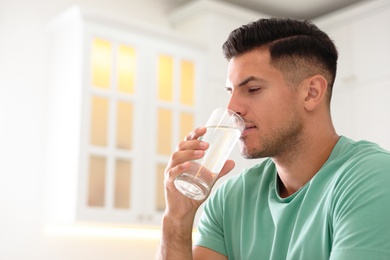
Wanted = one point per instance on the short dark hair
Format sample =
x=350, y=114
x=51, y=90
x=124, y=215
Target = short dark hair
x=294, y=45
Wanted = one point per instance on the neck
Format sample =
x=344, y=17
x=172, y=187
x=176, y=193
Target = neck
x=301, y=164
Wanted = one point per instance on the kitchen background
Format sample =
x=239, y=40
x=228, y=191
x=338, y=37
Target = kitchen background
x=88, y=115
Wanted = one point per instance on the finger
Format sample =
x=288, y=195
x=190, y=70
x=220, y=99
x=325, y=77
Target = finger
x=198, y=132
x=192, y=145
x=180, y=157
x=175, y=171
x=228, y=166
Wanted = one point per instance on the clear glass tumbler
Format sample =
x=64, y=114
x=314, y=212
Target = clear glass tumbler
x=224, y=128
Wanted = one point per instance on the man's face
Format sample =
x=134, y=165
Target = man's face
x=267, y=104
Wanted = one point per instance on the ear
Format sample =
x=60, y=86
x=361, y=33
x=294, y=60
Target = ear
x=315, y=92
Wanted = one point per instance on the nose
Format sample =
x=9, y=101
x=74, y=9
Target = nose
x=235, y=105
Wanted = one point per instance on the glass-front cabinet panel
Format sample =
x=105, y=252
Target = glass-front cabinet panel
x=136, y=116
x=123, y=98
x=175, y=109
x=111, y=93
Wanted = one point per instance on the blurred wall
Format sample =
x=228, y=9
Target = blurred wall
x=23, y=101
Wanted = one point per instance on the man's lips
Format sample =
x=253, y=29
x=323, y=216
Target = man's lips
x=247, y=129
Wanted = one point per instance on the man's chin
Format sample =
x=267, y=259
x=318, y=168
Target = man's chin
x=251, y=154
x=246, y=154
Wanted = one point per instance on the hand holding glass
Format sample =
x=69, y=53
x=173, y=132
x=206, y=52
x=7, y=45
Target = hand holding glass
x=224, y=128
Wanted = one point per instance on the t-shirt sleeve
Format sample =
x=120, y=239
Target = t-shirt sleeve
x=210, y=226
x=361, y=212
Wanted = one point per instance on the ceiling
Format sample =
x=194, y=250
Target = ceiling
x=301, y=9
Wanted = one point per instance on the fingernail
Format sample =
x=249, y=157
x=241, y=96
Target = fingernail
x=185, y=165
x=198, y=152
x=203, y=145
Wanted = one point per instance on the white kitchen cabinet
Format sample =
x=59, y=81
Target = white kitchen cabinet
x=372, y=108
x=370, y=44
x=362, y=41
x=359, y=105
x=123, y=94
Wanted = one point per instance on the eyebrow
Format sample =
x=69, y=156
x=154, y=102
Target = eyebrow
x=247, y=80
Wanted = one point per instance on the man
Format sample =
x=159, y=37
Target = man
x=317, y=196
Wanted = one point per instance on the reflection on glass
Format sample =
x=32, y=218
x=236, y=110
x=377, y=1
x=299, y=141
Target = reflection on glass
x=186, y=124
x=126, y=69
x=96, y=181
x=101, y=55
x=160, y=200
x=124, y=125
x=99, y=121
x=164, y=131
x=165, y=78
x=187, y=83
x=122, y=184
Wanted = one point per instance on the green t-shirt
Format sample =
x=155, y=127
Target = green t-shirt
x=342, y=213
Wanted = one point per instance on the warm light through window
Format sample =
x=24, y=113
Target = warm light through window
x=96, y=181
x=99, y=121
x=187, y=83
x=165, y=78
x=160, y=199
x=122, y=184
x=101, y=63
x=164, y=131
x=124, y=125
x=126, y=69
x=186, y=125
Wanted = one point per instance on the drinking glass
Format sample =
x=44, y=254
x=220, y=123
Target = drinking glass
x=224, y=128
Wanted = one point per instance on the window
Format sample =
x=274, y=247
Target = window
x=121, y=102
x=113, y=175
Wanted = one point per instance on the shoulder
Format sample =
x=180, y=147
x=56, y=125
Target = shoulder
x=361, y=149
x=359, y=158
x=360, y=208
x=361, y=175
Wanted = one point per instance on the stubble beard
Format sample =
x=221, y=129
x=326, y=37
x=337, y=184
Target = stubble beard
x=280, y=143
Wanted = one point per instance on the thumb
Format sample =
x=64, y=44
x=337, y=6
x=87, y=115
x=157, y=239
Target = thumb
x=228, y=166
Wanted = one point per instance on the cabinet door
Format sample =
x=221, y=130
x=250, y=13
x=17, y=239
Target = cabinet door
x=343, y=102
x=370, y=45
x=341, y=36
x=175, y=110
x=373, y=112
x=359, y=106
x=109, y=143
x=140, y=101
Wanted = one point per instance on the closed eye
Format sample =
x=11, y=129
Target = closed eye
x=253, y=90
